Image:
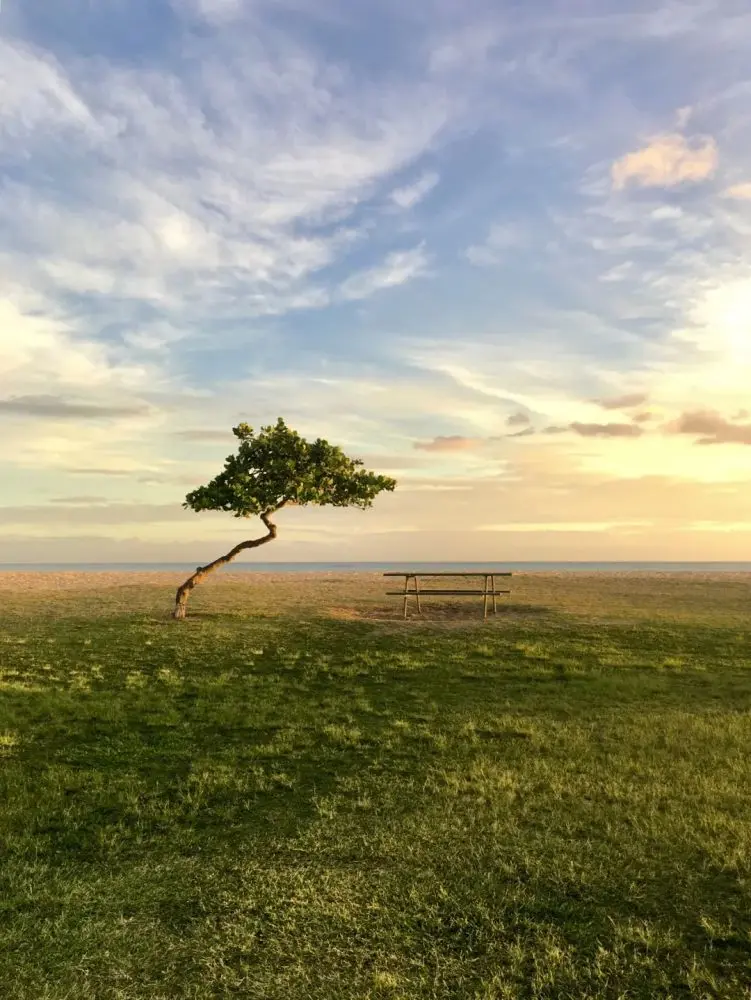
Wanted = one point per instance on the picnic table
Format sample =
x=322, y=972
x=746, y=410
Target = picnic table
x=487, y=592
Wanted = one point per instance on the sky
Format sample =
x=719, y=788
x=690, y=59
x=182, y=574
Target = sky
x=498, y=250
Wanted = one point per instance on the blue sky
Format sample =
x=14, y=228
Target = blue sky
x=498, y=250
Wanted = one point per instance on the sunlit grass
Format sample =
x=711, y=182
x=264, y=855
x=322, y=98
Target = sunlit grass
x=272, y=800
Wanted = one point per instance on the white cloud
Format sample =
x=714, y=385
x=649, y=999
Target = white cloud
x=217, y=11
x=36, y=93
x=37, y=352
x=670, y=212
x=397, y=269
x=47, y=364
x=411, y=195
x=468, y=46
x=214, y=195
x=181, y=201
x=502, y=240
x=683, y=117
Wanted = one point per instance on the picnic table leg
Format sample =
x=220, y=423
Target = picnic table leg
x=417, y=594
x=406, y=594
x=495, y=602
x=485, y=599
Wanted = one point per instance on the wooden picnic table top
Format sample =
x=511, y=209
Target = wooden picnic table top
x=474, y=572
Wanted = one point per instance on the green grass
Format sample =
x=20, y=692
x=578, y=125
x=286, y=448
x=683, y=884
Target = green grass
x=273, y=801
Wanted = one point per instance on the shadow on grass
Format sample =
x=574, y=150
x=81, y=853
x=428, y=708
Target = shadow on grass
x=469, y=792
x=686, y=936
x=680, y=925
x=243, y=735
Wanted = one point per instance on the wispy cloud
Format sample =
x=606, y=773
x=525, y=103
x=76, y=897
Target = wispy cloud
x=518, y=420
x=501, y=241
x=65, y=409
x=214, y=11
x=399, y=267
x=566, y=526
x=192, y=242
x=90, y=470
x=452, y=442
x=412, y=194
x=41, y=348
x=205, y=434
x=83, y=514
x=625, y=402
x=599, y=430
x=84, y=500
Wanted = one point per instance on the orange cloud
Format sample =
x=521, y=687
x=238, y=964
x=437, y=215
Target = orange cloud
x=741, y=191
x=711, y=428
x=667, y=160
x=453, y=442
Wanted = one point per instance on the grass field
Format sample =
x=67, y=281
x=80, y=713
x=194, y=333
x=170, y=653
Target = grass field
x=295, y=795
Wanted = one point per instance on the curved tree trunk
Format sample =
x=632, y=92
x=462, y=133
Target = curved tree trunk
x=183, y=591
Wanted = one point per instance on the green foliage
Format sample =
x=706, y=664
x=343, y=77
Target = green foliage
x=276, y=467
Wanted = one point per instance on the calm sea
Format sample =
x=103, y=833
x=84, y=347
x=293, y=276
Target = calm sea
x=382, y=567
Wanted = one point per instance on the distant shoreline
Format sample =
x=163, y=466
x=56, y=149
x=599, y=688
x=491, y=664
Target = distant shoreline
x=380, y=567
x=306, y=569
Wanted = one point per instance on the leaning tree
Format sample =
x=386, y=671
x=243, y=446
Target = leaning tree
x=276, y=468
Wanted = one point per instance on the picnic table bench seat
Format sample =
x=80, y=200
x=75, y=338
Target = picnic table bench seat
x=487, y=592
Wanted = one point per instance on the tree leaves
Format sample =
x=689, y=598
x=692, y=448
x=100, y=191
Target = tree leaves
x=276, y=467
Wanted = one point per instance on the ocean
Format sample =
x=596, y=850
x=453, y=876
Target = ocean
x=382, y=567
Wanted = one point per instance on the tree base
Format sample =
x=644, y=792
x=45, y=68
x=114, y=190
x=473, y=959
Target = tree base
x=184, y=590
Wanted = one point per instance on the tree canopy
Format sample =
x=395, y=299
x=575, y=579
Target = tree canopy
x=276, y=467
